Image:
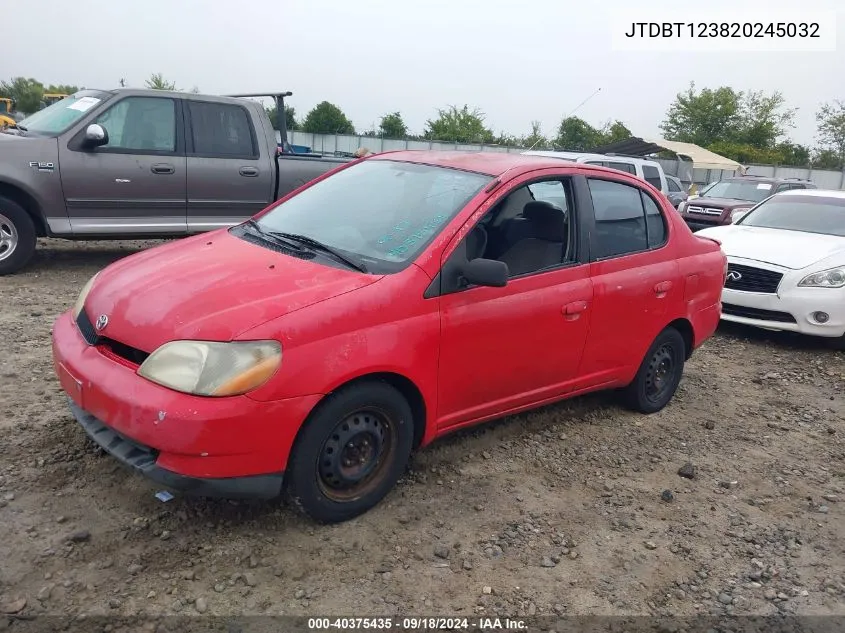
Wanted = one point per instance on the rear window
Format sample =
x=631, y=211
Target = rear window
x=222, y=130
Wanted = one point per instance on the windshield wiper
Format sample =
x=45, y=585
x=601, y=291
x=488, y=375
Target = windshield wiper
x=273, y=237
x=21, y=127
x=317, y=245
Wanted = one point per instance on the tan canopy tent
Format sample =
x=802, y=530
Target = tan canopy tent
x=701, y=158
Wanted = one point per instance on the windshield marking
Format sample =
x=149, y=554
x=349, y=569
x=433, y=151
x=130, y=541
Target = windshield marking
x=426, y=230
x=84, y=104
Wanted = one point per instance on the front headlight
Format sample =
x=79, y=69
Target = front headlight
x=830, y=278
x=206, y=368
x=83, y=295
x=738, y=214
x=682, y=208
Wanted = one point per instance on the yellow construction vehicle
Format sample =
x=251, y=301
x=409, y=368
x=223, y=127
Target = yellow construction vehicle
x=7, y=109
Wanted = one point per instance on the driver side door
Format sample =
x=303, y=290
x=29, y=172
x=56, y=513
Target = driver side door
x=502, y=348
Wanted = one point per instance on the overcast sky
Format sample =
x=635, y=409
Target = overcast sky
x=517, y=61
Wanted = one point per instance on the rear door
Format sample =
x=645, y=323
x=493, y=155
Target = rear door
x=634, y=274
x=227, y=179
x=135, y=183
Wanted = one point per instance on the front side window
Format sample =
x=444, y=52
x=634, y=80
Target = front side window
x=673, y=186
x=382, y=213
x=141, y=124
x=221, y=130
x=652, y=176
x=626, y=167
x=804, y=213
x=57, y=118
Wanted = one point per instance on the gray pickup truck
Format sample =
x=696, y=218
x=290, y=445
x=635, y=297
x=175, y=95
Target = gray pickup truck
x=129, y=164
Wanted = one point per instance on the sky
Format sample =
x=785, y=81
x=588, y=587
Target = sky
x=516, y=61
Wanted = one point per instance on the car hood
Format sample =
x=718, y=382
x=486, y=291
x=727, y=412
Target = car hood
x=790, y=249
x=208, y=287
x=720, y=203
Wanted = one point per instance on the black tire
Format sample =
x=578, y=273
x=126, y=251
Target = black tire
x=659, y=374
x=17, y=237
x=837, y=344
x=370, y=422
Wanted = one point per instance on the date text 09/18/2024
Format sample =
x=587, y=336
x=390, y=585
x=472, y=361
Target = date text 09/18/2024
x=418, y=624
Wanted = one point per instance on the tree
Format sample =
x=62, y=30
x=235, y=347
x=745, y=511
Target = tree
x=290, y=118
x=831, y=131
x=62, y=89
x=827, y=159
x=327, y=118
x=392, y=126
x=575, y=134
x=702, y=117
x=614, y=132
x=535, y=140
x=762, y=119
x=158, y=82
x=793, y=153
x=27, y=93
x=458, y=125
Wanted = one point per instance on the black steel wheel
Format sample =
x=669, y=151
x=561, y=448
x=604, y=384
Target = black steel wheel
x=659, y=374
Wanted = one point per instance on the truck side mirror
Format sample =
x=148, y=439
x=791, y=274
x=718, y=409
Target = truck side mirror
x=96, y=135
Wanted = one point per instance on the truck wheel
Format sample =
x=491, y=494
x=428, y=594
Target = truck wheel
x=17, y=237
x=350, y=452
x=659, y=374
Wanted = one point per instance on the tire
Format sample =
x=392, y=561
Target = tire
x=17, y=237
x=370, y=421
x=659, y=374
x=838, y=343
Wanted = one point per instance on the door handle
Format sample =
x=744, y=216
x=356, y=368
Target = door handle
x=249, y=172
x=662, y=288
x=573, y=310
x=162, y=168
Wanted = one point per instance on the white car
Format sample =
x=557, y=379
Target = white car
x=786, y=264
x=649, y=170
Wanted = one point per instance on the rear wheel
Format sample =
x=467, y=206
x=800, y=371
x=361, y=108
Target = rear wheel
x=659, y=374
x=17, y=237
x=350, y=452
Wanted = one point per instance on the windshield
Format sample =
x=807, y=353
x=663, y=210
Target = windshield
x=3, y=107
x=809, y=214
x=382, y=213
x=58, y=117
x=739, y=190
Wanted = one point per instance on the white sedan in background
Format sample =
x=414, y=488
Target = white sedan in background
x=786, y=264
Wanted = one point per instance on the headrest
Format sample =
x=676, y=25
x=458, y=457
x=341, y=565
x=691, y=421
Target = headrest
x=547, y=221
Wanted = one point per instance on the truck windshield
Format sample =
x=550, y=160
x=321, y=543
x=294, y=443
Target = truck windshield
x=382, y=213
x=739, y=190
x=56, y=118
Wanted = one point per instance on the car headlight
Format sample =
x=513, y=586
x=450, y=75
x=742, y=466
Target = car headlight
x=205, y=368
x=83, y=295
x=682, y=208
x=830, y=278
x=738, y=214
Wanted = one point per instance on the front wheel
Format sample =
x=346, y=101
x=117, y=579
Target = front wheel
x=351, y=452
x=659, y=374
x=17, y=237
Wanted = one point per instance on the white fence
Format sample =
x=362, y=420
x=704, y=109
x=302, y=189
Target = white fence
x=331, y=143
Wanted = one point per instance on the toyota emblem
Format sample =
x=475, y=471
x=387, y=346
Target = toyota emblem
x=102, y=321
x=733, y=276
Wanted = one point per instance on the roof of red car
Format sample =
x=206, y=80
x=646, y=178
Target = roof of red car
x=491, y=163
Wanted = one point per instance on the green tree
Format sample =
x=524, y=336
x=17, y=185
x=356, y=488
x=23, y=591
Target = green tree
x=794, y=153
x=27, y=93
x=575, y=134
x=763, y=119
x=158, y=82
x=831, y=130
x=827, y=159
x=458, y=125
x=745, y=153
x=327, y=118
x=614, y=132
x=63, y=89
x=290, y=118
x=702, y=117
x=535, y=139
x=393, y=126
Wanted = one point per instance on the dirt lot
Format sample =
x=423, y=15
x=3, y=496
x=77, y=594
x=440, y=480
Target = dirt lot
x=558, y=511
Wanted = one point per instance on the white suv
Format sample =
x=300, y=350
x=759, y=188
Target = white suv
x=648, y=170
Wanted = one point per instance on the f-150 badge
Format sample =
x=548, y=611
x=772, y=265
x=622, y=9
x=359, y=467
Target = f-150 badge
x=42, y=166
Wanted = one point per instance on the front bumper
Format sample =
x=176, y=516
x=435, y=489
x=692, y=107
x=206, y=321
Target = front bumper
x=695, y=225
x=190, y=442
x=791, y=310
x=142, y=459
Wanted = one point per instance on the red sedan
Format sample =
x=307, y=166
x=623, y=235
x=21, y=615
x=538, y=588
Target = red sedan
x=309, y=350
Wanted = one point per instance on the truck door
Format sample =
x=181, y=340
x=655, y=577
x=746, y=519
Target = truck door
x=135, y=183
x=228, y=181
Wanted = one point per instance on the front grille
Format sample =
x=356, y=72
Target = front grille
x=752, y=279
x=86, y=328
x=116, y=348
x=757, y=313
x=704, y=210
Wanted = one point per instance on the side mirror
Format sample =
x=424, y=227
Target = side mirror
x=486, y=272
x=96, y=135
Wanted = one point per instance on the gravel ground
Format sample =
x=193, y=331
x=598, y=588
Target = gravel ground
x=728, y=501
